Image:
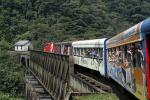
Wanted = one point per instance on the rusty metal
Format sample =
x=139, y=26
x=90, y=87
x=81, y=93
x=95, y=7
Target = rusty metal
x=55, y=73
x=52, y=71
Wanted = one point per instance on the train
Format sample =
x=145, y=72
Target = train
x=125, y=58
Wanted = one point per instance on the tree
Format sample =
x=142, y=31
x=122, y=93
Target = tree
x=11, y=75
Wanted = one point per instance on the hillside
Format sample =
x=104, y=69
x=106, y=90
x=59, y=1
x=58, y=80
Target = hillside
x=65, y=20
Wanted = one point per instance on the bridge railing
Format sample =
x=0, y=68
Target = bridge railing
x=52, y=70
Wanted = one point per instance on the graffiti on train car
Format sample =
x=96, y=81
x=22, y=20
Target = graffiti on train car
x=128, y=36
x=123, y=76
x=92, y=63
x=126, y=66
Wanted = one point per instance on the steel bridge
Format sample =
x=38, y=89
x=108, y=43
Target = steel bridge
x=51, y=76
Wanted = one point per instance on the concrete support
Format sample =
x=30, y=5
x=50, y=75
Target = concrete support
x=79, y=85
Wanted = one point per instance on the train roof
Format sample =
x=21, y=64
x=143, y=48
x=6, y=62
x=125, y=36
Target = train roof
x=145, y=27
x=64, y=43
x=89, y=43
x=130, y=35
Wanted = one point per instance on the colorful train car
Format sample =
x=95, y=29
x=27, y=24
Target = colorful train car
x=128, y=59
x=64, y=48
x=90, y=54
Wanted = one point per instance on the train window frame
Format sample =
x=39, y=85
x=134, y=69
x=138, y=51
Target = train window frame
x=74, y=51
x=78, y=51
x=140, y=60
x=130, y=54
x=87, y=53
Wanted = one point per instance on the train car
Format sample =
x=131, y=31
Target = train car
x=49, y=47
x=128, y=59
x=90, y=54
x=64, y=48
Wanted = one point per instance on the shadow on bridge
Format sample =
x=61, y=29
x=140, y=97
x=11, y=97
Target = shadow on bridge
x=52, y=71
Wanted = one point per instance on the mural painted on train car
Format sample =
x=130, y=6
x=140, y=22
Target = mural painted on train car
x=91, y=58
x=126, y=66
x=127, y=59
x=88, y=62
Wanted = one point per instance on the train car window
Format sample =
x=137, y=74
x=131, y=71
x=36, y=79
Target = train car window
x=74, y=51
x=121, y=54
x=85, y=50
x=97, y=52
x=113, y=55
x=100, y=53
x=88, y=52
x=110, y=55
x=77, y=52
x=93, y=53
x=82, y=52
x=66, y=49
x=139, y=55
x=133, y=53
x=128, y=56
x=118, y=57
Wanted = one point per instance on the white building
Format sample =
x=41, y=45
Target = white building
x=23, y=45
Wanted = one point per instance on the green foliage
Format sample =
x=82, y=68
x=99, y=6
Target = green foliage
x=8, y=97
x=11, y=75
x=24, y=36
x=62, y=20
x=4, y=45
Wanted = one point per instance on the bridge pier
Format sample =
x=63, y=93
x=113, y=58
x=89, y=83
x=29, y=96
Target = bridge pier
x=79, y=85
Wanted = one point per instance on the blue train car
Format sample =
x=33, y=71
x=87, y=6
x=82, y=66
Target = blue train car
x=128, y=59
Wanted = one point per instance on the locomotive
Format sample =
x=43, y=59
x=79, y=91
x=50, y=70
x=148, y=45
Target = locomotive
x=125, y=57
x=49, y=47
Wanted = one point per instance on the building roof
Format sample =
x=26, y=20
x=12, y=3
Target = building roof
x=22, y=42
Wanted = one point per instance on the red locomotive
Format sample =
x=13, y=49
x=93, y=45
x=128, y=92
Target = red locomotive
x=49, y=47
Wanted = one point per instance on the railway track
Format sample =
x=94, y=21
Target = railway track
x=106, y=85
x=96, y=85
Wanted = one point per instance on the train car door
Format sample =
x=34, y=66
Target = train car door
x=148, y=62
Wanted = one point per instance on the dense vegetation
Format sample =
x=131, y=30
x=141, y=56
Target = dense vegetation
x=11, y=74
x=65, y=20
x=60, y=20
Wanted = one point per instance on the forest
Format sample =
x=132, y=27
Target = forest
x=43, y=21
